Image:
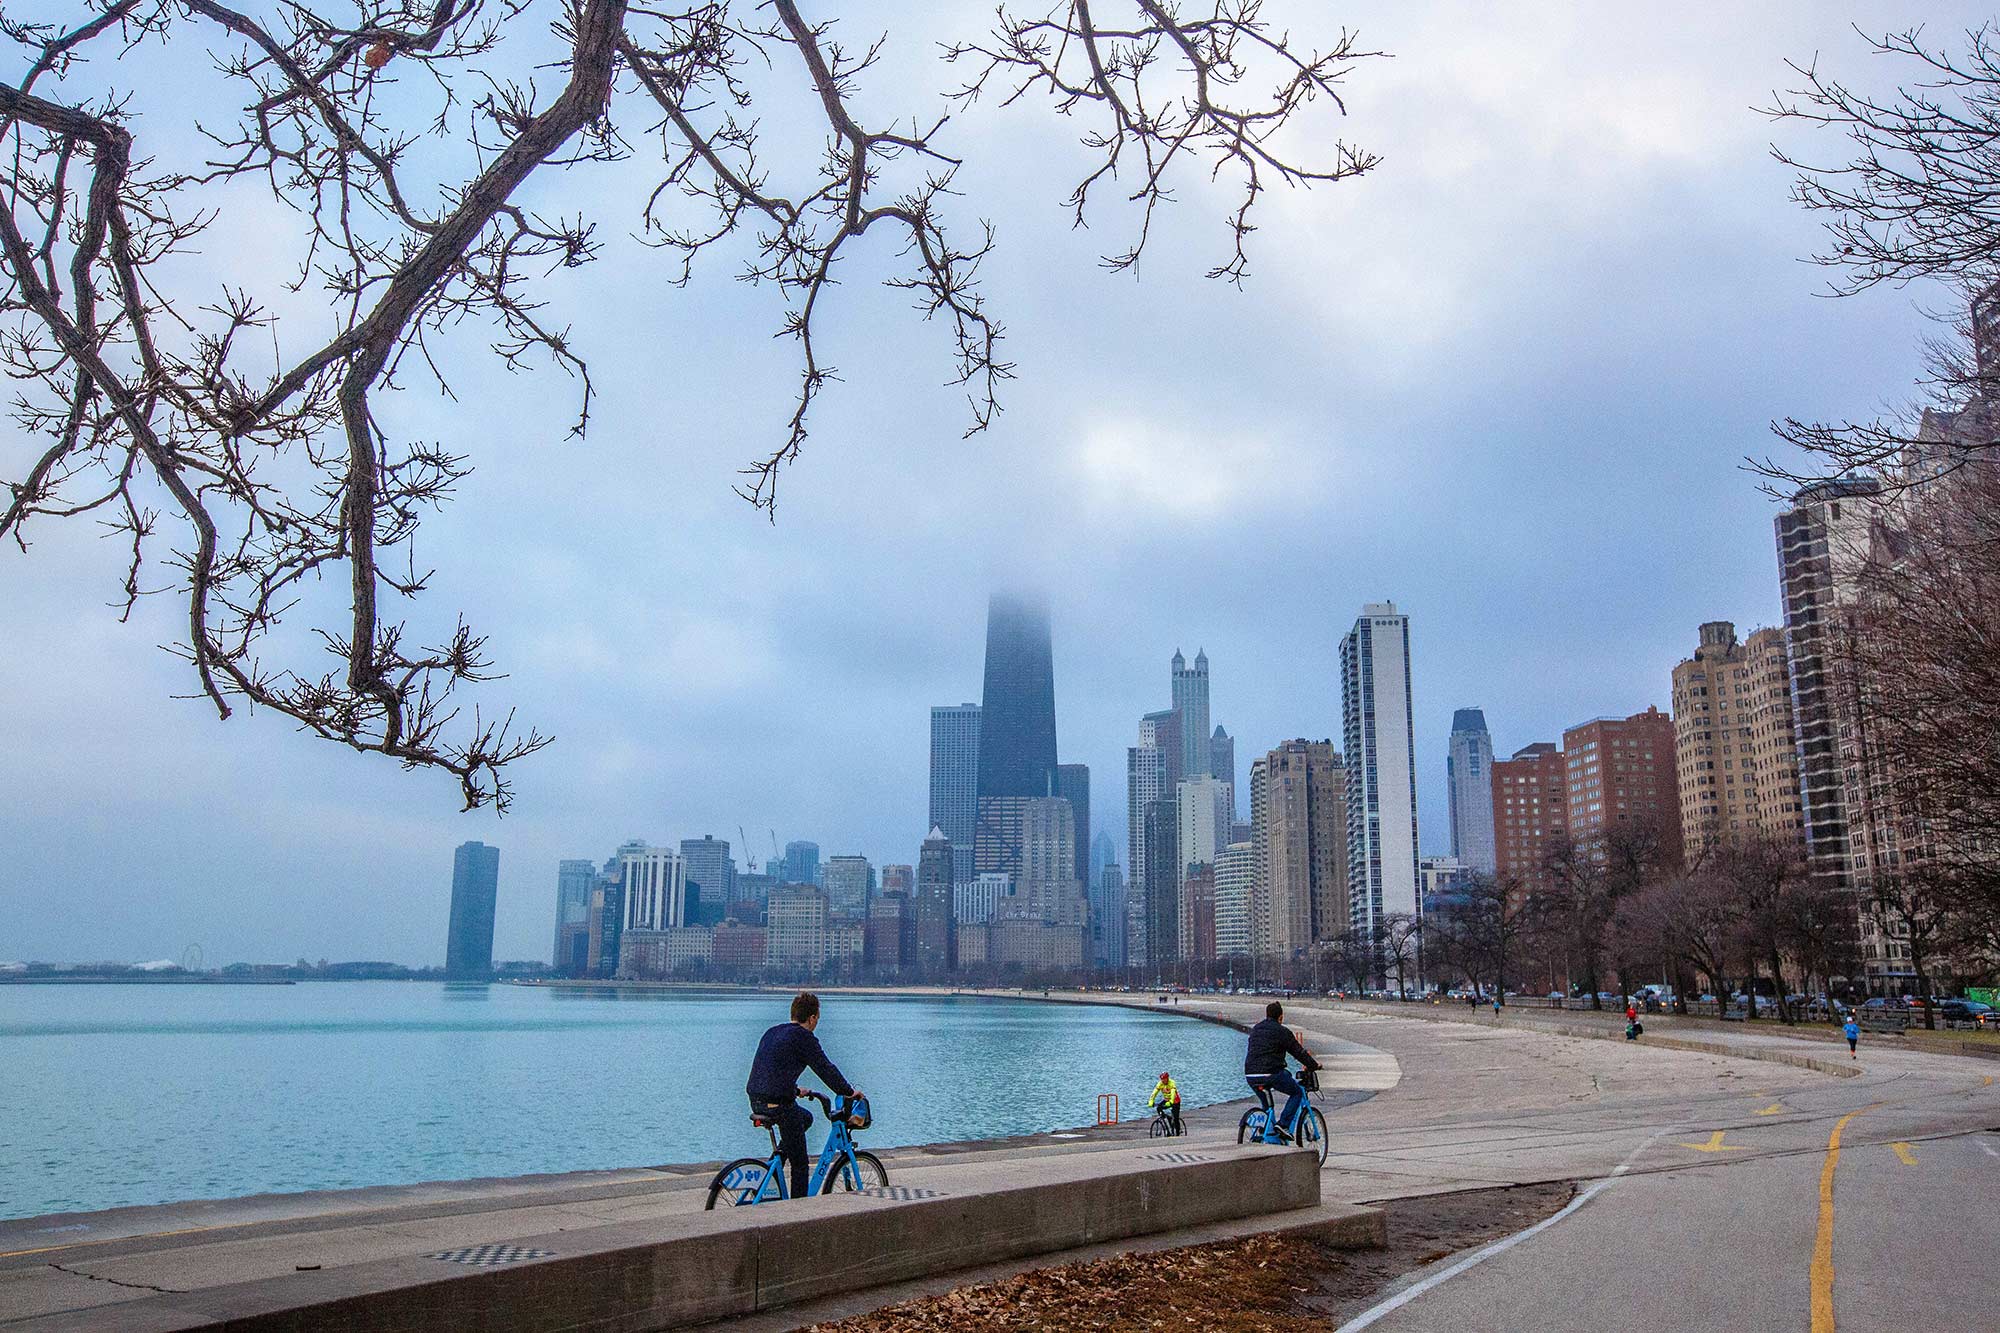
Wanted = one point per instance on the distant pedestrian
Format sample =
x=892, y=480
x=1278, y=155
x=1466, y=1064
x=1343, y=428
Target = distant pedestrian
x=1631, y=1014
x=1496, y=1004
x=1852, y=1031
x=1632, y=1029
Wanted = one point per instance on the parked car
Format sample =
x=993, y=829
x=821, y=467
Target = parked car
x=1965, y=1011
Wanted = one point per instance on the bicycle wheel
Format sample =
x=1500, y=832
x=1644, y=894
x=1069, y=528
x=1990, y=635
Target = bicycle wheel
x=743, y=1182
x=866, y=1167
x=1161, y=1129
x=1312, y=1132
x=1251, y=1126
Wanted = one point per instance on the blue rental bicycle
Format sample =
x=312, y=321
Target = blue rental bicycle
x=842, y=1168
x=1310, y=1131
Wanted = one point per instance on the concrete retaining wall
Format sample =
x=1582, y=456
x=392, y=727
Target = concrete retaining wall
x=672, y=1272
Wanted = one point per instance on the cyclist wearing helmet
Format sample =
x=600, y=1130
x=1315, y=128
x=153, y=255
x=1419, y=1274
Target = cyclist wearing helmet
x=784, y=1054
x=1167, y=1090
x=1264, y=1068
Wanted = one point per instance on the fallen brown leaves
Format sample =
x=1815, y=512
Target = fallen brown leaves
x=1255, y=1285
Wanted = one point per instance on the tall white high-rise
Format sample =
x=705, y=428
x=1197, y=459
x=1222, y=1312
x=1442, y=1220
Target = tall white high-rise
x=1469, y=769
x=1379, y=732
x=655, y=880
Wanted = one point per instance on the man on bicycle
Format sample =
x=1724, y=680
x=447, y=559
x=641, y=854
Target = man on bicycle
x=785, y=1053
x=1168, y=1091
x=1264, y=1068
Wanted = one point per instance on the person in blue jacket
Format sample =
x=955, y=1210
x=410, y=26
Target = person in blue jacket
x=1852, y=1031
x=785, y=1053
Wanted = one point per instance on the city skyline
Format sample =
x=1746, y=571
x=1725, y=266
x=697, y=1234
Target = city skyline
x=790, y=693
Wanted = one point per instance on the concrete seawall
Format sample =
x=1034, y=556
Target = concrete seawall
x=669, y=1269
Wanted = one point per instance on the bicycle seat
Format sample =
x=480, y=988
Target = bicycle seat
x=762, y=1121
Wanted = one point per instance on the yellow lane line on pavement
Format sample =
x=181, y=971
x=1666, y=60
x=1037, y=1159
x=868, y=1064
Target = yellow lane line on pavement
x=1904, y=1155
x=1715, y=1144
x=1822, y=1260
x=1772, y=1109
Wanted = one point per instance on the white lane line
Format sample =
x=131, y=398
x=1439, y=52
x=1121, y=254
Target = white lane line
x=1989, y=1150
x=1408, y=1294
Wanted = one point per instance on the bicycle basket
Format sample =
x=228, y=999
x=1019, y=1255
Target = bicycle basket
x=858, y=1114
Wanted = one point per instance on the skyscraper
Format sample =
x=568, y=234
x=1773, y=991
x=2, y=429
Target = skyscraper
x=1469, y=774
x=1298, y=832
x=475, y=887
x=1191, y=702
x=1379, y=733
x=1108, y=921
x=935, y=877
x=1825, y=543
x=801, y=863
x=574, y=881
x=1530, y=812
x=1733, y=739
x=849, y=880
x=1103, y=852
x=1222, y=763
x=1235, y=878
x=1622, y=776
x=711, y=876
x=655, y=882
x=1161, y=901
x=955, y=779
x=1073, y=785
x=1152, y=771
x=1017, y=728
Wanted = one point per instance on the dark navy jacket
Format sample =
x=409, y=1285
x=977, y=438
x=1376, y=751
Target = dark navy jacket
x=1270, y=1042
x=786, y=1052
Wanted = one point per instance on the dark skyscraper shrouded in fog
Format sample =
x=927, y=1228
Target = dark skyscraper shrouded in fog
x=1017, y=727
x=475, y=888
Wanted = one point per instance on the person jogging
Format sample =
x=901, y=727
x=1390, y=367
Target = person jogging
x=1168, y=1091
x=1851, y=1031
x=785, y=1053
x=1264, y=1067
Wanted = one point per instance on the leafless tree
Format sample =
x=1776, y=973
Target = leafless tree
x=1924, y=650
x=253, y=454
x=1478, y=930
x=1912, y=201
x=1398, y=942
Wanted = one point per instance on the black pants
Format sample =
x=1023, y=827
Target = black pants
x=793, y=1121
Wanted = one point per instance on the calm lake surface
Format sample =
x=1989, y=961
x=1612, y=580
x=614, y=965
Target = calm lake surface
x=115, y=1095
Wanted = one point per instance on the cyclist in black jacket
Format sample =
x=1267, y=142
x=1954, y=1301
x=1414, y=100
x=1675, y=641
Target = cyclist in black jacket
x=1264, y=1067
x=784, y=1054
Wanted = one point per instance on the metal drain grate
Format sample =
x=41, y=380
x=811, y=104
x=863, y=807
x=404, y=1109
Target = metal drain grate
x=489, y=1256
x=902, y=1193
x=1175, y=1157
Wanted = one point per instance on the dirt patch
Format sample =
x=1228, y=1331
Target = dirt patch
x=1259, y=1284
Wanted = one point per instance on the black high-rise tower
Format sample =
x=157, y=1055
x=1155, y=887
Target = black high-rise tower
x=1017, y=727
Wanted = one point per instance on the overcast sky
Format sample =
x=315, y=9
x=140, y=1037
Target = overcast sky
x=1506, y=380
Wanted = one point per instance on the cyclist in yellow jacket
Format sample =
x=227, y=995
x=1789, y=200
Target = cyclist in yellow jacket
x=1166, y=1089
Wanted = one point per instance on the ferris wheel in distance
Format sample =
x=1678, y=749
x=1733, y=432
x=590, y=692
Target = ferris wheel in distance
x=191, y=960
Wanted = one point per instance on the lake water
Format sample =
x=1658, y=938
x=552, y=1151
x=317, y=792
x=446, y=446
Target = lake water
x=115, y=1095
